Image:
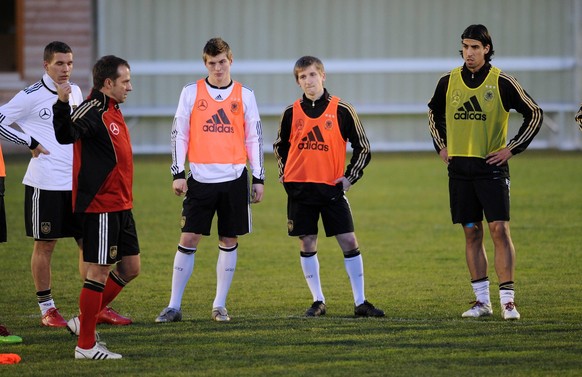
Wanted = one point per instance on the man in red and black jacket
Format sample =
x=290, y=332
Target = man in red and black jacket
x=102, y=192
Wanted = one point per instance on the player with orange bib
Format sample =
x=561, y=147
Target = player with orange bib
x=311, y=153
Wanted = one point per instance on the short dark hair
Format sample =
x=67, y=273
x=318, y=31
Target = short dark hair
x=107, y=68
x=55, y=47
x=307, y=61
x=215, y=47
x=480, y=33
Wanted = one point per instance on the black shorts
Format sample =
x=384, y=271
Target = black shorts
x=107, y=237
x=229, y=200
x=3, y=230
x=307, y=201
x=476, y=188
x=48, y=215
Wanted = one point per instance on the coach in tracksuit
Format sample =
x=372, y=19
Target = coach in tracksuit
x=102, y=192
x=468, y=120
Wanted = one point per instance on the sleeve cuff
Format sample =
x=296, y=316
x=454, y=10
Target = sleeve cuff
x=180, y=175
x=33, y=143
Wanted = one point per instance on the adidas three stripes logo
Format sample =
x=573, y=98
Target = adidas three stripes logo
x=471, y=110
x=314, y=141
x=219, y=122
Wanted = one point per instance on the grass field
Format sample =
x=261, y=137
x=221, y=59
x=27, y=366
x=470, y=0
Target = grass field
x=415, y=271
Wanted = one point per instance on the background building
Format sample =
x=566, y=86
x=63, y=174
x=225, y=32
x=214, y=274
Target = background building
x=385, y=57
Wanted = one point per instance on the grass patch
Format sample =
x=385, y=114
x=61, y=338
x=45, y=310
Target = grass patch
x=415, y=271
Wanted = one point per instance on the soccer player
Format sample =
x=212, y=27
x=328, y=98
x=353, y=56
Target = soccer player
x=48, y=214
x=311, y=151
x=218, y=128
x=468, y=120
x=48, y=179
x=102, y=194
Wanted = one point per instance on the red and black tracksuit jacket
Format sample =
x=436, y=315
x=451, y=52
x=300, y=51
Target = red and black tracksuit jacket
x=103, y=159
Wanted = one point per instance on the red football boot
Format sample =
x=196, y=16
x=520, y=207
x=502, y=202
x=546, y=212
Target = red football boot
x=52, y=318
x=111, y=317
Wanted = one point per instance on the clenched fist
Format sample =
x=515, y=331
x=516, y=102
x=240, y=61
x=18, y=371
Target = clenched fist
x=63, y=91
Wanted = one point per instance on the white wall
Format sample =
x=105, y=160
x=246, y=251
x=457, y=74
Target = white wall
x=272, y=32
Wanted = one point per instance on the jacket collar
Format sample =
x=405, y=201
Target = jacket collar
x=48, y=83
x=324, y=98
x=103, y=99
x=479, y=75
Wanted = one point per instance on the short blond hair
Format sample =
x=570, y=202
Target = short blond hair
x=307, y=61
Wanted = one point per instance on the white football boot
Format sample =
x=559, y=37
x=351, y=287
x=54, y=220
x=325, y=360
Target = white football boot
x=98, y=352
x=508, y=311
x=478, y=309
x=220, y=314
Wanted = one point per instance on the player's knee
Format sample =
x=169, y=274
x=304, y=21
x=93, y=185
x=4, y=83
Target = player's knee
x=347, y=241
x=499, y=225
x=473, y=232
x=190, y=240
x=308, y=243
x=128, y=274
x=499, y=230
x=129, y=268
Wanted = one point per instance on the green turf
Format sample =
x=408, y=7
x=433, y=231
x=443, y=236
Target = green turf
x=415, y=271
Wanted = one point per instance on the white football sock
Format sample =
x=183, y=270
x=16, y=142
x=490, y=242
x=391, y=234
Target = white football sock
x=310, y=267
x=45, y=306
x=506, y=295
x=355, y=270
x=481, y=290
x=183, y=267
x=225, y=267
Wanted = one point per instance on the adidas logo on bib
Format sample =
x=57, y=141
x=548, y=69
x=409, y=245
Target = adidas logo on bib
x=314, y=141
x=471, y=110
x=219, y=122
